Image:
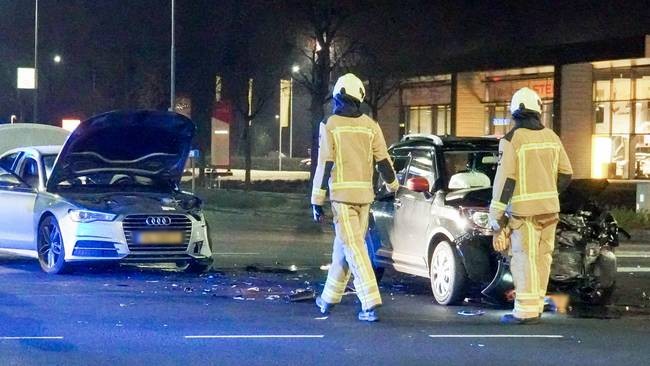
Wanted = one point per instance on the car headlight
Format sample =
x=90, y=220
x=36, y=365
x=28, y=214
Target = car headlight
x=89, y=216
x=478, y=218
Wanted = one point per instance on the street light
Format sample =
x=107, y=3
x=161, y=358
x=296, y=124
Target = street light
x=35, y=116
x=172, y=66
x=57, y=59
x=294, y=70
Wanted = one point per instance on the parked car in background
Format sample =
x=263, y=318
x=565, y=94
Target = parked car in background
x=436, y=225
x=109, y=194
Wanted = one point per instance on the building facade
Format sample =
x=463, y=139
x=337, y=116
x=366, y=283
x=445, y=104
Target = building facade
x=599, y=107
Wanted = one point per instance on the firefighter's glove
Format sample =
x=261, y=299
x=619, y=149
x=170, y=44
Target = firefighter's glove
x=317, y=213
x=501, y=240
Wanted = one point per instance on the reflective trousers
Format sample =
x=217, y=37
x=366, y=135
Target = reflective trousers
x=350, y=256
x=532, y=240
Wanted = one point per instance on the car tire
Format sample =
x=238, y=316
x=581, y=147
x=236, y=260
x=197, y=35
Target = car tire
x=447, y=274
x=50, y=247
x=373, y=244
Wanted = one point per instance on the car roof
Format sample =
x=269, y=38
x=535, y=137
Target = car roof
x=37, y=150
x=447, y=142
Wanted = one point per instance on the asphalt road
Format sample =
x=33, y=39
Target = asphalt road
x=239, y=315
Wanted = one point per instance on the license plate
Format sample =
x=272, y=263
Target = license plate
x=160, y=237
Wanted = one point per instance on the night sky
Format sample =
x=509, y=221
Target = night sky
x=116, y=52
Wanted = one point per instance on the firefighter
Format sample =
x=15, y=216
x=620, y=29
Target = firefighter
x=533, y=169
x=349, y=142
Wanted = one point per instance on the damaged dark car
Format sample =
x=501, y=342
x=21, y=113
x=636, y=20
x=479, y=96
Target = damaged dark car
x=436, y=225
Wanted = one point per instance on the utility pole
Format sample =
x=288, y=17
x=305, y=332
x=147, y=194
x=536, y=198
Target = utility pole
x=35, y=113
x=172, y=78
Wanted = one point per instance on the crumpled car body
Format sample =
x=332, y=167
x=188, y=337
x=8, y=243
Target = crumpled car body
x=442, y=233
x=110, y=193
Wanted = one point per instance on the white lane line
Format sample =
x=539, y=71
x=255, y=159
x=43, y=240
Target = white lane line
x=235, y=254
x=495, y=336
x=255, y=336
x=634, y=269
x=22, y=338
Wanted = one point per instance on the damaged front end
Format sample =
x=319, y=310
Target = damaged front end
x=584, y=260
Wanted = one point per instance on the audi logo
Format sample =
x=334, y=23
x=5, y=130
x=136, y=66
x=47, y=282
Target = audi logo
x=158, y=221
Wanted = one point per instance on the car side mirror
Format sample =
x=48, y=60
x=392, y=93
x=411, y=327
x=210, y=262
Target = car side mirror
x=418, y=184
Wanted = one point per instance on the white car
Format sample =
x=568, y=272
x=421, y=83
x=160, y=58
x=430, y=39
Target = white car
x=110, y=194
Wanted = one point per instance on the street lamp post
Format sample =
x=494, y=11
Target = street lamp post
x=35, y=114
x=172, y=81
x=294, y=69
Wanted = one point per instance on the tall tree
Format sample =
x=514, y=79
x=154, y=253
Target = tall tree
x=324, y=47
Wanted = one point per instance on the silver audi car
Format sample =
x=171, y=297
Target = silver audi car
x=110, y=193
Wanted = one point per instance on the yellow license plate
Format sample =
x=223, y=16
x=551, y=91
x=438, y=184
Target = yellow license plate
x=160, y=237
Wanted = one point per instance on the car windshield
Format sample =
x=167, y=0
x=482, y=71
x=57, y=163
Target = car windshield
x=470, y=169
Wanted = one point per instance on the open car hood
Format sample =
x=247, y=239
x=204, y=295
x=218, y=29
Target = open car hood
x=151, y=144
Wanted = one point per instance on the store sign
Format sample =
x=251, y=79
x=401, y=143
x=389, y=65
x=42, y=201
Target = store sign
x=502, y=91
x=26, y=78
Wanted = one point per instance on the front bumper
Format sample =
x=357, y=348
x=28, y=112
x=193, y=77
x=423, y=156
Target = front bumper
x=115, y=240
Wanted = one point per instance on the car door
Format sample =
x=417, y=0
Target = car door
x=383, y=208
x=413, y=212
x=17, y=201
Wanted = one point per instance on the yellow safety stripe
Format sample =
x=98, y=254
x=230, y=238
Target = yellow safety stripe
x=521, y=152
x=527, y=296
x=394, y=186
x=364, y=295
x=532, y=250
x=336, y=132
x=526, y=308
x=339, y=158
x=352, y=185
x=353, y=129
x=498, y=205
x=319, y=193
x=534, y=196
x=538, y=146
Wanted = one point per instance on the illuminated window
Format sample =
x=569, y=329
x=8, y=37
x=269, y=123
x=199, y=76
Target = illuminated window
x=622, y=108
x=434, y=119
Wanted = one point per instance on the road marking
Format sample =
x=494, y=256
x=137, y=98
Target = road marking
x=495, y=336
x=254, y=336
x=235, y=254
x=24, y=338
x=634, y=269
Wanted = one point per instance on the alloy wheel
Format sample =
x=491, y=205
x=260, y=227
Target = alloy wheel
x=442, y=273
x=50, y=246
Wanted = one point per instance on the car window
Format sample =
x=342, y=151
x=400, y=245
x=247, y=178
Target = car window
x=48, y=163
x=8, y=161
x=7, y=179
x=469, y=169
x=400, y=164
x=29, y=172
x=421, y=165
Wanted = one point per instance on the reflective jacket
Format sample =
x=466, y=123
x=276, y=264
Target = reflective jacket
x=530, y=162
x=348, y=147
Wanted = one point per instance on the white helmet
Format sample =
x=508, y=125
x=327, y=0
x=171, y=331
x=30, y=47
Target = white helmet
x=525, y=99
x=350, y=85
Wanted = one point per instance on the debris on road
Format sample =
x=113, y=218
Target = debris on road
x=471, y=312
x=301, y=295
